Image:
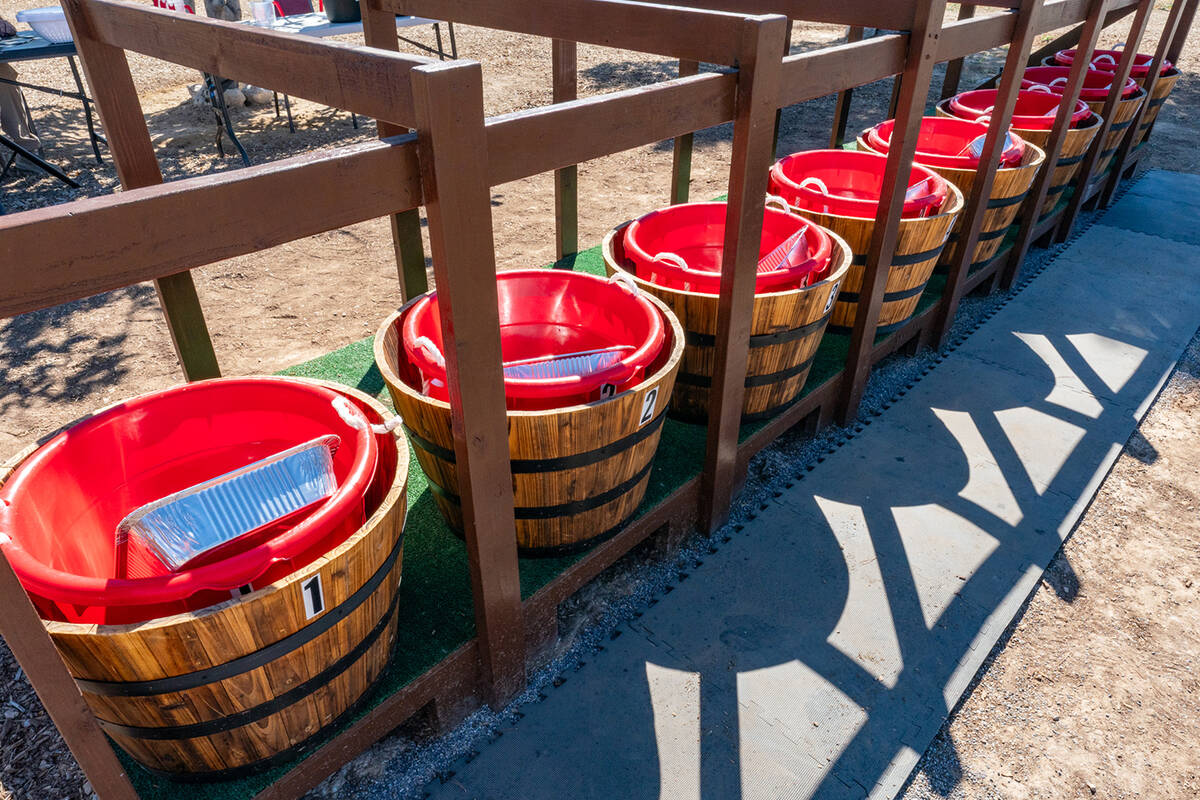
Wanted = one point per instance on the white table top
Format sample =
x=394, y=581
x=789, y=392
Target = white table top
x=318, y=25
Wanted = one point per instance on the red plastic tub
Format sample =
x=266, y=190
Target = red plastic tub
x=60, y=509
x=681, y=247
x=948, y=142
x=848, y=182
x=566, y=338
x=1096, y=83
x=1035, y=110
x=1107, y=61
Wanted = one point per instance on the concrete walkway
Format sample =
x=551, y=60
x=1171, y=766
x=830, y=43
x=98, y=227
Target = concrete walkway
x=819, y=653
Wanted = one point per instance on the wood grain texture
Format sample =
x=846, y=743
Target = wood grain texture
x=360, y=79
x=556, y=433
x=691, y=33
x=1070, y=157
x=62, y=253
x=774, y=313
x=185, y=643
x=915, y=236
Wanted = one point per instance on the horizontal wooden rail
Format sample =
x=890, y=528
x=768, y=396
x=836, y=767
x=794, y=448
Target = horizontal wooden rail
x=43, y=266
x=531, y=142
x=363, y=80
x=62, y=253
x=889, y=14
x=692, y=33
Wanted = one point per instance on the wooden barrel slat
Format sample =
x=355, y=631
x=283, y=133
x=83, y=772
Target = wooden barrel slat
x=1162, y=90
x=786, y=330
x=919, y=245
x=567, y=461
x=1009, y=188
x=1118, y=130
x=233, y=669
x=1069, y=161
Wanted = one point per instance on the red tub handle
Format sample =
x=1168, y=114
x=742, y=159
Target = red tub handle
x=779, y=202
x=627, y=282
x=1104, y=57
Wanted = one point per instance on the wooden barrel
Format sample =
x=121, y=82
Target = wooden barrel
x=238, y=687
x=1122, y=119
x=1070, y=158
x=1162, y=90
x=579, y=472
x=1008, y=191
x=918, y=246
x=785, y=332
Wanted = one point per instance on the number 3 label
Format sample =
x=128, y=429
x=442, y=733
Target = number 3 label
x=648, y=403
x=314, y=596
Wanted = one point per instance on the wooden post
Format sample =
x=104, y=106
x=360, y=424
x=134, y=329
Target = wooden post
x=1135, y=125
x=841, y=110
x=566, y=180
x=914, y=88
x=1063, y=232
x=1182, y=31
x=954, y=68
x=113, y=92
x=759, y=71
x=1024, y=33
x=379, y=30
x=681, y=159
x=454, y=166
x=35, y=652
x=1031, y=212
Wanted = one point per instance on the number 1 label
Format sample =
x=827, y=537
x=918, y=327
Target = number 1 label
x=314, y=596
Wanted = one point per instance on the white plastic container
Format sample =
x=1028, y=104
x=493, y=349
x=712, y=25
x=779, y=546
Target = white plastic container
x=50, y=23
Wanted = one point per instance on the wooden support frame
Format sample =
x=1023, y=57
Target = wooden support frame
x=1152, y=78
x=977, y=201
x=395, y=175
x=926, y=29
x=1030, y=218
x=1085, y=188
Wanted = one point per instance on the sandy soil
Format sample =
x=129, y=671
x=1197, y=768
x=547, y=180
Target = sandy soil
x=291, y=303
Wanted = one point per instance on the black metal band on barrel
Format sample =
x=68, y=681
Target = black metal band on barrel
x=250, y=661
x=705, y=381
x=1067, y=162
x=1156, y=102
x=889, y=297
x=762, y=339
x=1107, y=153
x=903, y=259
x=283, y=756
x=278, y=703
x=522, y=466
x=1004, y=202
x=559, y=550
x=1057, y=188
x=987, y=236
x=562, y=509
x=1120, y=126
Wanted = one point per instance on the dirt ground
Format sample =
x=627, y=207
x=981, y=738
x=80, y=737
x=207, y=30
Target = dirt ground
x=291, y=303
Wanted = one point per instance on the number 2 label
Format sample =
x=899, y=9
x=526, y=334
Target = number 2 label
x=648, y=403
x=832, y=297
x=314, y=596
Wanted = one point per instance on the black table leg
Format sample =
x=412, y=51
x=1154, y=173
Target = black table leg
x=41, y=163
x=87, y=109
x=217, y=97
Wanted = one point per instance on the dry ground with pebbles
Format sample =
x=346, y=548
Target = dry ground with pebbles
x=275, y=308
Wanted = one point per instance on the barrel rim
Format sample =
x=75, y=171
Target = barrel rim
x=957, y=207
x=395, y=494
x=608, y=250
x=1026, y=163
x=393, y=380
